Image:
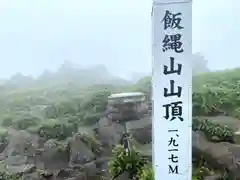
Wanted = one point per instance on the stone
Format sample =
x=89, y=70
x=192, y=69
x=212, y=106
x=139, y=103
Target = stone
x=218, y=155
x=16, y=169
x=80, y=153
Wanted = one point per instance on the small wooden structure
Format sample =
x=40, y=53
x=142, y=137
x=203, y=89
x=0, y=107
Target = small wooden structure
x=126, y=98
x=129, y=105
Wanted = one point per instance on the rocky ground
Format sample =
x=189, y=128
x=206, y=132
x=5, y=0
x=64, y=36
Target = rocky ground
x=74, y=158
x=85, y=155
x=221, y=156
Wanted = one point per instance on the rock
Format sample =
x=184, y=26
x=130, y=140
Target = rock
x=80, y=153
x=32, y=176
x=214, y=177
x=18, y=142
x=21, y=146
x=64, y=173
x=48, y=176
x=67, y=173
x=143, y=135
x=102, y=165
x=2, y=157
x=52, y=157
x=80, y=176
x=141, y=130
x=25, y=168
x=219, y=155
x=90, y=169
x=16, y=160
x=109, y=133
x=77, y=178
x=96, y=177
x=123, y=176
x=215, y=139
x=237, y=137
x=2, y=147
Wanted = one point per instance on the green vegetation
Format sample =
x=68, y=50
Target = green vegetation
x=214, y=94
x=6, y=176
x=213, y=131
x=146, y=173
x=131, y=162
x=217, y=93
x=55, y=111
x=137, y=167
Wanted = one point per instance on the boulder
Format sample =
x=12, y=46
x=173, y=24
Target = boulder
x=90, y=169
x=109, y=133
x=19, y=169
x=123, y=176
x=102, y=165
x=16, y=153
x=221, y=156
x=68, y=173
x=2, y=147
x=64, y=173
x=80, y=152
x=141, y=130
x=80, y=176
x=16, y=160
x=52, y=156
x=32, y=176
x=213, y=177
x=19, y=141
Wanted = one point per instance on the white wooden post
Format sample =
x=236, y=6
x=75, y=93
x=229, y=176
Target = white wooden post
x=172, y=89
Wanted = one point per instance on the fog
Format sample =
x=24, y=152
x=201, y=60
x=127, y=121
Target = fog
x=74, y=84
x=40, y=35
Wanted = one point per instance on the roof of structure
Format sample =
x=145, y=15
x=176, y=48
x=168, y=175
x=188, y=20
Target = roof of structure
x=125, y=95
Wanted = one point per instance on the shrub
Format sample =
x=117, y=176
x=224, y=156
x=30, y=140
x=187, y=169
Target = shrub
x=93, y=144
x=8, y=176
x=146, y=173
x=223, y=133
x=91, y=118
x=26, y=122
x=7, y=121
x=3, y=135
x=54, y=129
x=122, y=162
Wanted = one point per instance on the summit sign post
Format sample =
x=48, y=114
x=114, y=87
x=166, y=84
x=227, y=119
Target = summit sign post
x=172, y=89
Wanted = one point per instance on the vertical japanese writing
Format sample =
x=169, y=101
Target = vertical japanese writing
x=171, y=20
x=173, y=110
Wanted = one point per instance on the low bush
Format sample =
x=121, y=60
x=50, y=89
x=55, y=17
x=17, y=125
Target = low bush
x=53, y=129
x=146, y=173
x=211, y=130
x=131, y=162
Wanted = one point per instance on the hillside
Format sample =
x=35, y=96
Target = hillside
x=26, y=95
x=60, y=109
x=214, y=93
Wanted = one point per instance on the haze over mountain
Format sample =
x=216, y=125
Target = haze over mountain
x=75, y=74
x=68, y=73
x=38, y=35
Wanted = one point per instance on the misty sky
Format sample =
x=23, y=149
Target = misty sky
x=41, y=34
